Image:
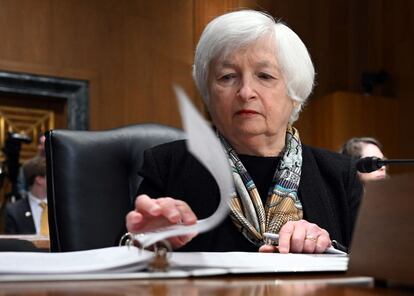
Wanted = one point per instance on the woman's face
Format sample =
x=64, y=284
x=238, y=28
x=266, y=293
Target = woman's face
x=372, y=150
x=248, y=94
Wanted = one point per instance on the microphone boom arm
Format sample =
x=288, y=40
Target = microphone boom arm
x=370, y=164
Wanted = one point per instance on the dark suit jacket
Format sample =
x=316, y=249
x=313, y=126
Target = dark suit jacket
x=329, y=190
x=17, y=221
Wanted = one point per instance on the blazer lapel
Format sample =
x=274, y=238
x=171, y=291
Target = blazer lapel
x=27, y=222
x=315, y=199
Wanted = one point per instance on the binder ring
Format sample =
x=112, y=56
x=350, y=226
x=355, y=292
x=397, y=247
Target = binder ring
x=162, y=253
x=163, y=246
x=128, y=239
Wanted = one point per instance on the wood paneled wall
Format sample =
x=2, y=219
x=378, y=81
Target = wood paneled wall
x=132, y=51
x=346, y=38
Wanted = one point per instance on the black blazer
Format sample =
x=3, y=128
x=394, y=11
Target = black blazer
x=329, y=190
x=19, y=219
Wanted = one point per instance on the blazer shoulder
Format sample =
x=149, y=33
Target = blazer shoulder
x=329, y=158
x=167, y=154
x=170, y=147
x=21, y=204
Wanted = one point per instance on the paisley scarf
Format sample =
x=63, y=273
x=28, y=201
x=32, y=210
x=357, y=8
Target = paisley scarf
x=282, y=204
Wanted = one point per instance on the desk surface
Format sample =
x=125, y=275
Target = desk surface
x=258, y=285
x=40, y=241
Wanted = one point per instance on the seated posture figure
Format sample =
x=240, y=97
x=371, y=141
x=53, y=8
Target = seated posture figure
x=29, y=215
x=364, y=147
x=254, y=75
x=22, y=186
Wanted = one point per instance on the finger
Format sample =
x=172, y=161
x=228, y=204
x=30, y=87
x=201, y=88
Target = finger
x=147, y=205
x=169, y=209
x=133, y=221
x=309, y=244
x=285, y=235
x=297, y=241
x=268, y=249
x=313, y=229
x=312, y=233
x=187, y=215
x=179, y=241
x=188, y=218
x=324, y=242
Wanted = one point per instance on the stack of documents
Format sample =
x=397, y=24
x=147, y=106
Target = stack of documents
x=131, y=262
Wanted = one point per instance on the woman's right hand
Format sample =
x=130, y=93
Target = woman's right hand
x=151, y=214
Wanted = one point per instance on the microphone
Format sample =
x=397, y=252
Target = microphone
x=370, y=164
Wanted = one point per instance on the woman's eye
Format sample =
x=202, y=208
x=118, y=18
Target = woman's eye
x=227, y=77
x=265, y=76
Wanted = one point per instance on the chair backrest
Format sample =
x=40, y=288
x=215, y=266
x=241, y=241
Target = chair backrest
x=92, y=181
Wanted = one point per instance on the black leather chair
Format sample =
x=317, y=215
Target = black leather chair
x=92, y=180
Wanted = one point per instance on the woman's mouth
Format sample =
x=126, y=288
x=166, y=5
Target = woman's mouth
x=246, y=112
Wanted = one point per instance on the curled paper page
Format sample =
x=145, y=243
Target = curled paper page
x=206, y=147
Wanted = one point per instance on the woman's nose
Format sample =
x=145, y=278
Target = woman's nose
x=246, y=89
x=382, y=172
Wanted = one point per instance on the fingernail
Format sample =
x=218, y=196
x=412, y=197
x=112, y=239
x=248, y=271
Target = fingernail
x=174, y=216
x=154, y=210
x=283, y=250
x=188, y=218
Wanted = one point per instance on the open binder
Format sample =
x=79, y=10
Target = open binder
x=122, y=260
x=118, y=261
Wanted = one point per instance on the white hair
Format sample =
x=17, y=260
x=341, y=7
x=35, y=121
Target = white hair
x=234, y=30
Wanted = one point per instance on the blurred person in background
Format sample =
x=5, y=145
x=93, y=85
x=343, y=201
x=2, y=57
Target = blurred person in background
x=22, y=186
x=366, y=147
x=29, y=215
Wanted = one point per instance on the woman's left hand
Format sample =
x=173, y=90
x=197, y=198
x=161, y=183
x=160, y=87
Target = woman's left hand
x=300, y=237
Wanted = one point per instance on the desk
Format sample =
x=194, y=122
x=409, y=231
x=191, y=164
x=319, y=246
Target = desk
x=257, y=285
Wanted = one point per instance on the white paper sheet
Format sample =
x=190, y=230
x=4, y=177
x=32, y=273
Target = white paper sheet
x=248, y=262
x=99, y=260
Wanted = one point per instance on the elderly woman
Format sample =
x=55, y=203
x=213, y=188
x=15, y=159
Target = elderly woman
x=254, y=75
x=364, y=147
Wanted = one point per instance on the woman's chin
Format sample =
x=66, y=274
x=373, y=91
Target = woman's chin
x=249, y=132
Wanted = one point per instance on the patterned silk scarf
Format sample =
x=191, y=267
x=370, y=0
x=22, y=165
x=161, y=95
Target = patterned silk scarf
x=282, y=204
